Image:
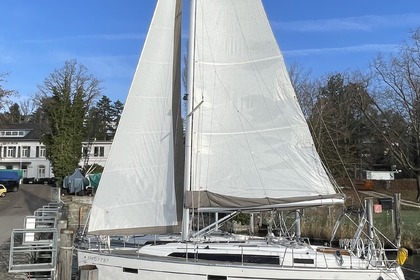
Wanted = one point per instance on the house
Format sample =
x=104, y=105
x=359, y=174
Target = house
x=21, y=149
x=95, y=152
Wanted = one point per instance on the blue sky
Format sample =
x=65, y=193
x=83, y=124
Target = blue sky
x=107, y=35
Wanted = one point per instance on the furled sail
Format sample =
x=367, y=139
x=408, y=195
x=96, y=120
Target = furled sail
x=137, y=193
x=251, y=146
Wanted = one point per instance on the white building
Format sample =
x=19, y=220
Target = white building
x=21, y=148
x=95, y=152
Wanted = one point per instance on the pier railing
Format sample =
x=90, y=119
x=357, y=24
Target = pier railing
x=33, y=249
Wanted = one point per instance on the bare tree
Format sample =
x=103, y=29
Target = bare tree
x=305, y=88
x=397, y=99
x=5, y=93
x=27, y=108
x=66, y=96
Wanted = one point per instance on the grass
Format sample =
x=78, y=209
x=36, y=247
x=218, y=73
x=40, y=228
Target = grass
x=410, y=226
x=318, y=223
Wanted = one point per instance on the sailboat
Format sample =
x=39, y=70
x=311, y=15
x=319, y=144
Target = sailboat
x=246, y=149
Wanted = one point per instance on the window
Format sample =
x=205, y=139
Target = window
x=260, y=259
x=41, y=171
x=14, y=133
x=25, y=151
x=42, y=151
x=216, y=277
x=11, y=152
x=99, y=151
x=131, y=270
x=85, y=151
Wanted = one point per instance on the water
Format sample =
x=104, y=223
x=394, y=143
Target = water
x=411, y=268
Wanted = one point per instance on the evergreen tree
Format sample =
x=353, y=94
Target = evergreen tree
x=337, y=125
x=103, y=119
x=13, y=116
x=117, y=109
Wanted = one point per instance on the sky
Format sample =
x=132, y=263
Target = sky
x=106, y=36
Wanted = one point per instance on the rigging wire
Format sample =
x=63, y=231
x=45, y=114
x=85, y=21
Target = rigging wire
x=338, y=155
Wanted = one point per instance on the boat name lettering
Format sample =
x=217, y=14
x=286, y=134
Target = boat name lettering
x=98, y=259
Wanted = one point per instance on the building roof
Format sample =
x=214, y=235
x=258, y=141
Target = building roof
x=21, y=132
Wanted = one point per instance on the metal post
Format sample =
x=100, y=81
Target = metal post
x=397, y=218
x=216, y=218
x=369, y=216
x=251, y=224
x=370, y=228
x=297, y=225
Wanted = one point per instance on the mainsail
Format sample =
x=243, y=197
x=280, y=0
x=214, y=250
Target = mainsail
x=251, y=146
x=137, y=191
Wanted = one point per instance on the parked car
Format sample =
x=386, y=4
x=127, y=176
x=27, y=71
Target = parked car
x=3, y=190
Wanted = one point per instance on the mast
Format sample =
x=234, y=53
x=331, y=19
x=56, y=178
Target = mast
x=188, y=121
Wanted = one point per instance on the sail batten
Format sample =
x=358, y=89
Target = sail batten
x=239, y=62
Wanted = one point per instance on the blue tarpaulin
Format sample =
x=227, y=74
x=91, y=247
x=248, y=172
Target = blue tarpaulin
x=10, y=174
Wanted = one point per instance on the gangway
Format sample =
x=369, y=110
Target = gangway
x=37, y=256
x=34, y=248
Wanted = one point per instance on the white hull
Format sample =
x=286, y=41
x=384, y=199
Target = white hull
x=141, y=266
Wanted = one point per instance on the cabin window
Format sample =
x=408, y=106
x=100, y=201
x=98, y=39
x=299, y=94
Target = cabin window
x=130, y=270
x=216, y=277
x=229, y=258
x=303, y=261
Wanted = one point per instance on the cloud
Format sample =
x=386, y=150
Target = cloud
x=362, y=23
x=341, y=50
